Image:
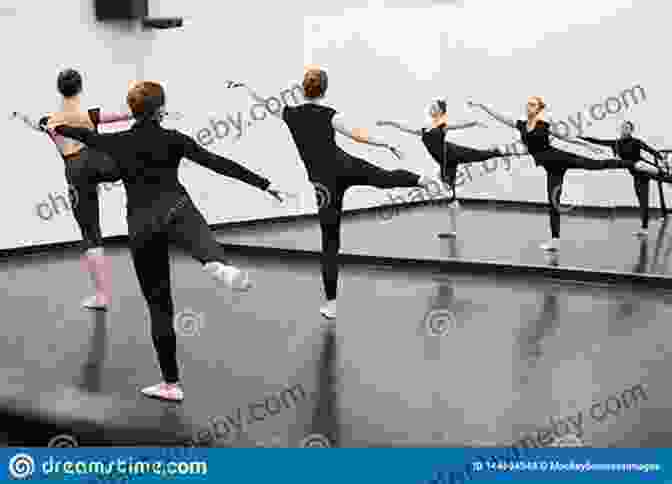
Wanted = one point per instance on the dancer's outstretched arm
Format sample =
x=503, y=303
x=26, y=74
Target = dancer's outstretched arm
x=401, y=127
x=225, y=166
x=28, y=121
x=496, y=116
x=252, y=93
x=611, y=143
x=361, y=135
x=418, y=132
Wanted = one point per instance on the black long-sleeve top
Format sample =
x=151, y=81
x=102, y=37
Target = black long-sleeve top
x=149, y=156
x=625, y=148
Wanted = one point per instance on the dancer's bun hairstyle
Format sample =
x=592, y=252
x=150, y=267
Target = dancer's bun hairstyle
x=69, y=83
x=315, y=83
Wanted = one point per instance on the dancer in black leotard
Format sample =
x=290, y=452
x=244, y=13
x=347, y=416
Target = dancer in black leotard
x=331, y=170
x=84, y=170
x=160, y=211
x=535, y=134
x=630, y=148
x=448, y=155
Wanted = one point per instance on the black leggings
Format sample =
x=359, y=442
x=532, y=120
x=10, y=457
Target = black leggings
x=642, y=186
x=330, y=192
x=187, y=229
x=83, y=174
x=556, y=163
x=462, y=155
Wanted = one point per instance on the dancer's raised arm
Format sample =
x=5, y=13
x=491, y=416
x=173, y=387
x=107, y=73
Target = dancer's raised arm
x=28, y=121
x=496, y=116
x=361, y=135
x=253, y=94
x=418, y=132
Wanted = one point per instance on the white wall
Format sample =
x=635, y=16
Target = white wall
x=385, y=59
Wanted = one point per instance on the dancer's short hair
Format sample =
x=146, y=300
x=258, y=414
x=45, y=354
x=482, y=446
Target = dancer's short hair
x=315, y=83
x=69, y=83
x=146, y=98
x=629, y=123
x=438, y=105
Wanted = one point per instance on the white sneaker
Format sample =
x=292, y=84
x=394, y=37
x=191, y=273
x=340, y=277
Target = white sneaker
x=551, y=245
x=231, y=276
x=165, y=391
x=329, y=310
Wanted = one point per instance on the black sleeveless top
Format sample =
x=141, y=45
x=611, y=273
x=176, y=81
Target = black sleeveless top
x=314, y=136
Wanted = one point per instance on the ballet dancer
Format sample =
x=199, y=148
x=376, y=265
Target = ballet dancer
x=160, y=212
x=448, y=155
x=84, y=170
x=331, y=170
x=536, y=135
x=628, y=147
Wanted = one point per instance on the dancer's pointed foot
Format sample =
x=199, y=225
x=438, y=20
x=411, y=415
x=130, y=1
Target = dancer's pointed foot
x=97, y=302
x=329, y=309
x=232, y=277
x=164, y=391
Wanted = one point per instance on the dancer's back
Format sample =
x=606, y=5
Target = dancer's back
x=314, y=134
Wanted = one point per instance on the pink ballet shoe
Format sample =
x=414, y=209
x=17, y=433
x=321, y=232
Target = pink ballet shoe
x=164, y=391
x=97, y=266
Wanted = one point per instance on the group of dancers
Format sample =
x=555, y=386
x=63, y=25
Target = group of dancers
x=160, y=211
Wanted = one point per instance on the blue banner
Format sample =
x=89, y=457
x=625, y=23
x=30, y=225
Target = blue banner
x=342, y=466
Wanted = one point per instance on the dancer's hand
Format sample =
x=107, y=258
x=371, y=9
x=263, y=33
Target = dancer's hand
x=472, y=104
x=480, y=124
x=277, y=194
x=396, y=152
x=233, y=84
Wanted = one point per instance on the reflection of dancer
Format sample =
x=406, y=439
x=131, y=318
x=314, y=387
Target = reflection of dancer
x=84, y=170
x=160, y=211
x=535, y=134
x=628, y=147
x=448, y=155
x=331, y=170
